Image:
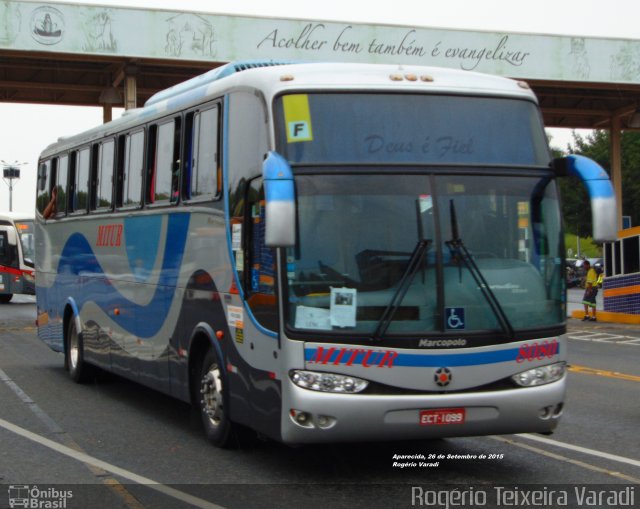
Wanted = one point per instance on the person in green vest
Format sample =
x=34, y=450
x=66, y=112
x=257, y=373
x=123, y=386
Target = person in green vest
x=590, y=292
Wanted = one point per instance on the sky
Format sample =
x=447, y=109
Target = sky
x=26, y=129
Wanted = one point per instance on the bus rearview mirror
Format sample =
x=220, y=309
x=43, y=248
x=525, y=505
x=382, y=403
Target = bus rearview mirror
x=279, y=191
x=601, y=194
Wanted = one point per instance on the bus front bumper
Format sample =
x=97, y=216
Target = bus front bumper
x=317, y=417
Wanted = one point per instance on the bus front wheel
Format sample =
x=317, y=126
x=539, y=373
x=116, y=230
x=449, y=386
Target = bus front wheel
x=5, y=298
x=74, y=355
x=213, y=411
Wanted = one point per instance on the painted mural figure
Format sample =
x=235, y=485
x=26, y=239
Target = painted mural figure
x=98, y=33
x=47, y=25
x=581, y=67
x=191, y=33
x=10, y=21
x=48, y=28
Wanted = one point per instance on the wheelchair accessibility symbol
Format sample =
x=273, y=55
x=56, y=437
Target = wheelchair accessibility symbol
x=455, y=318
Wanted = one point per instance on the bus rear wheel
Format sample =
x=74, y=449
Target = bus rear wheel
x=5, y=298
x=213, y=411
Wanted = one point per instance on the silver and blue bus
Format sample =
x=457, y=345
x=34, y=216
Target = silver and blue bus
x=319, y=252
x=16, y=255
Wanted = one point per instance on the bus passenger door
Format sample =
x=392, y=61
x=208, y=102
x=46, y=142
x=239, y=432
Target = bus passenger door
x=8, y=257
x=257, y=398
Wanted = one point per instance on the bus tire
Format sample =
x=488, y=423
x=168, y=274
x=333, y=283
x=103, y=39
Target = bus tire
x=78, y=369
x=212, y=404
x=5, y=298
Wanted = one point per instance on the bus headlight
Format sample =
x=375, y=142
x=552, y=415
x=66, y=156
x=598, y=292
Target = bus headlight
x=540, y=376
x=28, y=277
x=327, y=382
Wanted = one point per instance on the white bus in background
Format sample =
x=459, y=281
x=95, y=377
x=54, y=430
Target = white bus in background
x=16, y=255
x=319, y=252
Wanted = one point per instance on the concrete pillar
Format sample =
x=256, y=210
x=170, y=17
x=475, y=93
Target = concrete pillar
x=130, y=92
x=616, y=163
x=107, y=113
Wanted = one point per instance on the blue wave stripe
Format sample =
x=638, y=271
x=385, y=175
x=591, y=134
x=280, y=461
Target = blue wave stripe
x=423, y=360
x=143, y=321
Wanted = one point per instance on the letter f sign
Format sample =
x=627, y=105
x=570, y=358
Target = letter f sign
x=297, y=116
x=299, y=131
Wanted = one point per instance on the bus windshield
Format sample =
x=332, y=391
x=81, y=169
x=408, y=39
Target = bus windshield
x=358, y=233
x=409, y=129
x=25, y=233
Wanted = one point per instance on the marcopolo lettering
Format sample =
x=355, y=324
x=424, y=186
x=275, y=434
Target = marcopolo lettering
x=364, y=357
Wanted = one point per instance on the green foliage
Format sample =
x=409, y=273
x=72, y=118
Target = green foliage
x=575, y=202
x=587, y=248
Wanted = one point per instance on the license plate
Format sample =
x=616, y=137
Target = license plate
x=442, y=416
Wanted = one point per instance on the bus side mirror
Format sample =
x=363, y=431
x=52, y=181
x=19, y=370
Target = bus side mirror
x=603, y=202
x=279, y=192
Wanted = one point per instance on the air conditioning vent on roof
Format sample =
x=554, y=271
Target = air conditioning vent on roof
x=211, y=76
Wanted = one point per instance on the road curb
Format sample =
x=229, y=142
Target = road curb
x=609, y=317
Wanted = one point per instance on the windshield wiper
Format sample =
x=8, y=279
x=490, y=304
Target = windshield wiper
x=415, y=261
x=460, y=251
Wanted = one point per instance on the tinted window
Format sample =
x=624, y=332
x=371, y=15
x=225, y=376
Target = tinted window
x=61, y=183
x=134, y=155
x=44, y=186
x=81, y=195
x=204, y=176
x=164, y=174
x=104, y=185
x=409, y=128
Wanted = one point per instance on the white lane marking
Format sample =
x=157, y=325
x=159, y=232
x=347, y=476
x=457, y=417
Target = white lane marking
x=583, y=450
x=51, y=425
x=603, y=337
x=121, y=472
x=566, y=459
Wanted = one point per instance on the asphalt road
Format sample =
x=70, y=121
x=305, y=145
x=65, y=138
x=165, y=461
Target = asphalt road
x=113, y=443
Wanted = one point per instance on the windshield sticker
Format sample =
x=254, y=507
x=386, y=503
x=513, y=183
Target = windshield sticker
x=455, y=318
x=235, y=316
x=236, y=237
x=343, y=307
x=426, y=203
x=312, y=318
x=297, y=117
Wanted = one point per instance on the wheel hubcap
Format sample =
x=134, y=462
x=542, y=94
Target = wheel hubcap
x=211, y=391
x=73, y=350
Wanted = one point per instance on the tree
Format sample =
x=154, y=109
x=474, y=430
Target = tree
x=575, y=201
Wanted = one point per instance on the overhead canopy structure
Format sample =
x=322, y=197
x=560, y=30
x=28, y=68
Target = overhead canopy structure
x=97, y=55
x=73, y=54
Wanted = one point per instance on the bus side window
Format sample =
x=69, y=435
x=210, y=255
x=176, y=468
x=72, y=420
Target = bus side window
x=259, y=276
x=104, y=181
x=44, y=185
x=150, y=169
x=131, y=182
x=164, y=163
x=203, y=181
x=188, y=155
x=62, y=183
x=119, y=172
x=94, y=169
x=81, y=187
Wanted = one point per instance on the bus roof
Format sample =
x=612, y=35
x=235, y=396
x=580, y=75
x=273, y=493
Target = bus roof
x=16, y=216
x=272, y=78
